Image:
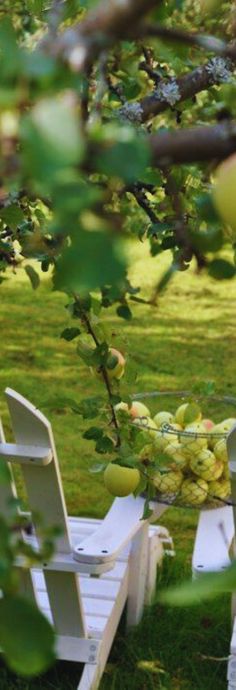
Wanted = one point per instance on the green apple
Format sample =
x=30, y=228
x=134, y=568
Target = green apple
x=116, y=371
x=228, y=423
x=183, y=412
x=218, y=432
x=162, y=439
x=138, y=409
x=226, y=472
x=124, y=407
x=193, y=492
x=220, y=450
x=146, y=424
x=119, y=480
x=191, y=441
x=147, y=454
x=175, y=453
x=163, y=418
x=220, y=488
x=224, y=196
x=205, y=465
x=168, y=482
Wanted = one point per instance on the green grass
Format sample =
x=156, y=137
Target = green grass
x=188, y=338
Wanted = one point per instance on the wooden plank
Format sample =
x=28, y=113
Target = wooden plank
x=137, y=576
x=45, y=493
x=25, y=454
x=118, y=527
x=155, y=557
x=214, y=527
x=92, y=674
x=7, y=493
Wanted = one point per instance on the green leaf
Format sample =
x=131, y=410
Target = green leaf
x=125, y=159
x=147, y=512
x=207, y=586
x=12, y=216
x=104, y=445
x=208, y=241
x=33, y=276
x=92, y=260
x=124, y=312
x=70, y=333
x=191, y=413
x=220, y=269
x=93, y=433
x=26, y=637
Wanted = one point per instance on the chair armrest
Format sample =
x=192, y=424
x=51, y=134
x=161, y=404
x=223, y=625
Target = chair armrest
x=215, y=532
x=121, y=523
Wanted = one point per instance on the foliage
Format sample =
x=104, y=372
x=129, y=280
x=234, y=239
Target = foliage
x=80, y=175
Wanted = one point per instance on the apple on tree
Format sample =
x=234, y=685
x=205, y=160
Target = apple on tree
x=115, y=365
x=224, y=196
x=120, y=480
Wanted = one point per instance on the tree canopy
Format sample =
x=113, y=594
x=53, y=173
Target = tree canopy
x=114, y=116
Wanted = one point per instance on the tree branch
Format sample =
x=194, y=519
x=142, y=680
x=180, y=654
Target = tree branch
x=194, y=145
x=170, y=92
x=110, y=21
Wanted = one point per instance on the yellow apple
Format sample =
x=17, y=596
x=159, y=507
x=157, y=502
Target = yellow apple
x=124, y=407
x=181, y=415
x=162, y=439
x=193, y=492
x=218, y=432
x=119, y=480
x=219, y=489
x=228, y=423
x=220, y=450
x=190, y=439
x=205, y=465
x=147, y=453
x=138, y=409
x=168, y=482
x=175, y=453
x=146, y=424
x=163, y=418
x=224, y=196
x=117, y=371
x=208, y=424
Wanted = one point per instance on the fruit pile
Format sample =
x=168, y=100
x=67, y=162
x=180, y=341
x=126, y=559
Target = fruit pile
x=184, y=458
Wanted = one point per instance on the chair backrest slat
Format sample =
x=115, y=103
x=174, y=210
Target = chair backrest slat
x=7, y=493
x=46, y=497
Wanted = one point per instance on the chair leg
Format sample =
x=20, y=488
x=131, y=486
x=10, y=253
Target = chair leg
x=155, y=557
x=91, y=677
x=138, y=563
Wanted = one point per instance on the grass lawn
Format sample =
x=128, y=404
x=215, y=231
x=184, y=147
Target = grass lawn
x=188, y=338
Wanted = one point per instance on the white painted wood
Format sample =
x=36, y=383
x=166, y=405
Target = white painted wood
x=215, y=528
x=25, y=454
x=85, y=610
x=155, y=558
x=45, y=494
x=77, y=649
x=137, y=576
x=7, y=493
x=93, y=676
x=118, y=527
x=231, y=670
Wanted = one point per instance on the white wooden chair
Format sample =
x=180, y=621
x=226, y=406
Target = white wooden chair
x=98, y=567
x=214, y=538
